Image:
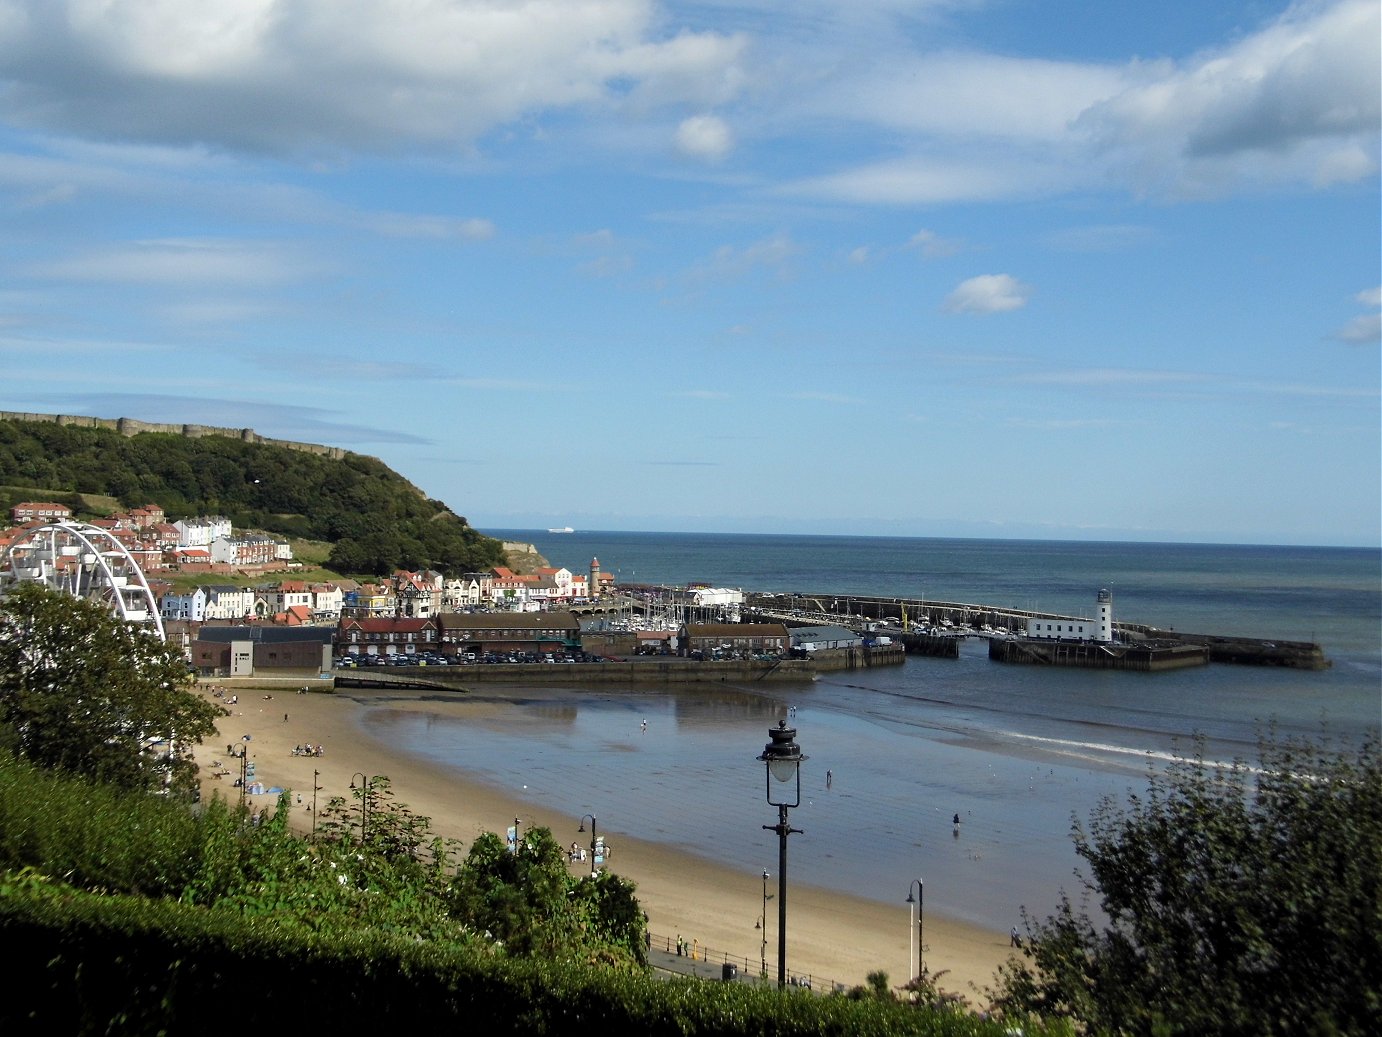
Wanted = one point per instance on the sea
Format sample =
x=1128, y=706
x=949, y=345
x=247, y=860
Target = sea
x=1020, y=753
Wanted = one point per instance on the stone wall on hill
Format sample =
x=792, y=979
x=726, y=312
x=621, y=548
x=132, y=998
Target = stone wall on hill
x=133, y=426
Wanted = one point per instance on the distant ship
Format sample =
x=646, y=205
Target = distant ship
x=563, y=529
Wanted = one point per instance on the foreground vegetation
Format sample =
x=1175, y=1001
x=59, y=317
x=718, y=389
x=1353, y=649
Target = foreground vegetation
x=375, y=520
x=1236, y=900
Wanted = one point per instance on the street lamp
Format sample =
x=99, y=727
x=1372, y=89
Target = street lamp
x=316, y=787
x=244, y=758
x=919, y=900
x=763, y=924
x=365, y=786
x=516, y=823
x=782, y=759
x=593, y=870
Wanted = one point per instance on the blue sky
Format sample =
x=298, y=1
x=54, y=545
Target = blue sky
x=918, y=267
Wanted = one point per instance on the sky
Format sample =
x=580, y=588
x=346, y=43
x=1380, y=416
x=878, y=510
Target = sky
x=992, y=268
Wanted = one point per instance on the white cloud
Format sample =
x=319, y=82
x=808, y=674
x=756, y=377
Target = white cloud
x=322, y=76
x=1296, y=102
x=1361, y=330
x=933, y=246
x=988, y=293
x=1366, y=328
x=704, y=137
x=186, y=261
x=772, y=253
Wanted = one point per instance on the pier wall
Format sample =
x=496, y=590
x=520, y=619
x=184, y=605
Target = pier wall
x=829, y=660
x=1086, y=655
x=642, y=671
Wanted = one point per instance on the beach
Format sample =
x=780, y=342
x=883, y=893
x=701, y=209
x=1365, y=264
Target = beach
x=834, y=938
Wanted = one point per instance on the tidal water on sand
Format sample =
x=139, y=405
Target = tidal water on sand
x=1016, y=751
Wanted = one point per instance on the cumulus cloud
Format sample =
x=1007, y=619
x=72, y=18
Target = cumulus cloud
x=1296, y=102
x=988, y=293
x=704, y=137
x=322, y=76
x=1367, y=327
x=1301, y=100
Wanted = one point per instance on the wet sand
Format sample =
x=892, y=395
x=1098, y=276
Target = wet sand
x=832, y=937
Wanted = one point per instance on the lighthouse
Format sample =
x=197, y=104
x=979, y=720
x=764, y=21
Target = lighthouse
x=1103, y=628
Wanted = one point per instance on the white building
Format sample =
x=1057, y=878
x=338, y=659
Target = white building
x=243, y=550
x=190, y=606
x=1099, y=629
x=226, y=602
x=202, y=530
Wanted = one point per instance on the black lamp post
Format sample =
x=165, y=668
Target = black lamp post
x=516, y=823
x=244, y=757
x=763, y=924
x=364, y=787
x=782, y=759
x=593, y=870
x=316, y=787
x=919, y=900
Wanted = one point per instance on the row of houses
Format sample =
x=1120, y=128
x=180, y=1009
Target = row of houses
x=404, y=595
x=207, y=542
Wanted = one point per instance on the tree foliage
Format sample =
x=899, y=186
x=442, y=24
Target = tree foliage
x=82, y=690
x=1238, y=900
x=377, y=521
x=529, y=901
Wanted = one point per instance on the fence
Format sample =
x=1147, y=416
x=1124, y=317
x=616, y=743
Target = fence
x=691, y=958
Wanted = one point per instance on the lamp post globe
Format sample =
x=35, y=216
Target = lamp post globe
x=782, y=759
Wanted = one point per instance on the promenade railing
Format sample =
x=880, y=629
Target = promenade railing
x=692, y=958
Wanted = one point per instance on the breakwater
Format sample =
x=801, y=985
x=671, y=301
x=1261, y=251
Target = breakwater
x=1148, y=658
x=934, y=627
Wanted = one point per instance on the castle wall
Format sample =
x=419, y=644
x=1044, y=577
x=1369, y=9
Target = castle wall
x=133, y=426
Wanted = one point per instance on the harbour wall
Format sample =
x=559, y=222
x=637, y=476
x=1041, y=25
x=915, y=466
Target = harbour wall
x=1092, y=656
x=897, y=616
x=634, y=671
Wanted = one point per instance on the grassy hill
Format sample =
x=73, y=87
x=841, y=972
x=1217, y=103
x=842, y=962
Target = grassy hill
x=372, y=519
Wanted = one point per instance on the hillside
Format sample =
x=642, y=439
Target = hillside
x=374, y=519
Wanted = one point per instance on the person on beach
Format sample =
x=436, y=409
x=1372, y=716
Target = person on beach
x=1015, y=939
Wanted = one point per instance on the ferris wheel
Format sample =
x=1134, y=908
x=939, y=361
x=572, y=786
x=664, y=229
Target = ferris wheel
x=86, y=562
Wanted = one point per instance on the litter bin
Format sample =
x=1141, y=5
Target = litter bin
x=729, y=972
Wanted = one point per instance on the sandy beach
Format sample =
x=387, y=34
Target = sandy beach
x=832, y=937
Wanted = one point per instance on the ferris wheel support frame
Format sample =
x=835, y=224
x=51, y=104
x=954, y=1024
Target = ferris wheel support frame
x=43, y=544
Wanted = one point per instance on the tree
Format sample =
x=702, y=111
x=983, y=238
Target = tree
x=1238, y=900
x=84, y=691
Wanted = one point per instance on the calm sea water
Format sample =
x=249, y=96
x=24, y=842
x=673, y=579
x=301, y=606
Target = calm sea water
x=1016, y=751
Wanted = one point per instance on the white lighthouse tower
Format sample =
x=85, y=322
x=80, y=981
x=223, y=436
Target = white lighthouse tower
x=1103, y=630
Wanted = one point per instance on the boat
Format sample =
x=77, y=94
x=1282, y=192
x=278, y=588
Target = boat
x=563, y=529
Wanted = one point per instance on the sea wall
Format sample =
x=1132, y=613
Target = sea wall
x=652, y=672
x=133, y=426
x=827, y=660
x=1091, y=656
